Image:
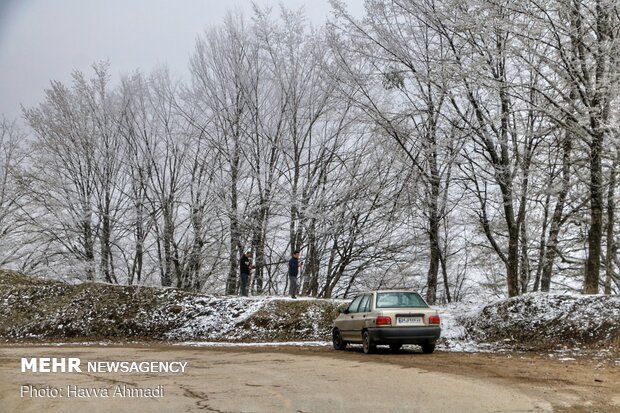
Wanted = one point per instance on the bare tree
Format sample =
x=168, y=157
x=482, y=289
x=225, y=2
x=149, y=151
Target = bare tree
x=14, y=237
x=137, y=129
x=398, y=53
x=108, y=146
x=219, y=70
x=62, y=177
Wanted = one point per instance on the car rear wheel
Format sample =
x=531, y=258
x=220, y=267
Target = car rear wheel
x=368, y=346
x=428, y=348
x=339, y=343
x=395, y=347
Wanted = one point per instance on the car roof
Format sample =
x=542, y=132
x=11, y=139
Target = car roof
x=386, y=291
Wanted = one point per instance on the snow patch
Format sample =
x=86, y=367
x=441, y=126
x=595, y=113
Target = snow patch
x=268, y=344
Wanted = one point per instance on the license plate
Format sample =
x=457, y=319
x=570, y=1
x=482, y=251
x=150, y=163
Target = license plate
x=409, y=321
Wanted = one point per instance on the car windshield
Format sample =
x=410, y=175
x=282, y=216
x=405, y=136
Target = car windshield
x=400, y=300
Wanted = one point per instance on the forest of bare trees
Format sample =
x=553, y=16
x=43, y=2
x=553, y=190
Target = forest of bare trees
x=454, y=147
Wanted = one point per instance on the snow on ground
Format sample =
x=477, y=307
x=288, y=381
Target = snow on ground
x=216, y=317
x=254, y=319
x=540, y=321
x=454, y=336
x=268, y=344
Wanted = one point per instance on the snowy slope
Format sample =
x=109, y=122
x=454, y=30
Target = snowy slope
x=542, y=321
x=43, y=312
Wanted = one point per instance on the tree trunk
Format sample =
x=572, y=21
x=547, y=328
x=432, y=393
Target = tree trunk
x=595, y=233
x=543, y=243
x=258, y=247
x=107, y=265
x=311, y=270
x=433, y=215
x=235, y=237
x=89, y=249
x=235, y=250
x=433, y=270
x=525, y=263
x=611, y=244
x=166, y=279
x=444, y=271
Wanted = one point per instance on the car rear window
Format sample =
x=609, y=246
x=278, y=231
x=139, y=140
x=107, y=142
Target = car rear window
x=400, y=300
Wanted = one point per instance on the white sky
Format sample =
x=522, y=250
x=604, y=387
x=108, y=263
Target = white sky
x=43, y=40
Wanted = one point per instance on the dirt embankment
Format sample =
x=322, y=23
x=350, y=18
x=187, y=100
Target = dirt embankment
x=36, y=310
x=541, y=322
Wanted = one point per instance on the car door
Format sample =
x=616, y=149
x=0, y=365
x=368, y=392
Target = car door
x=361, y=317
x=347, y=323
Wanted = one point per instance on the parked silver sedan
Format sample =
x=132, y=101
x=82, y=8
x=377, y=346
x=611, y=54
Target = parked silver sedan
x=392, y=317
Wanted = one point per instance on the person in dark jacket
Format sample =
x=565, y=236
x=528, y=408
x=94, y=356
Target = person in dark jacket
x=245, y=267
x=293, y=272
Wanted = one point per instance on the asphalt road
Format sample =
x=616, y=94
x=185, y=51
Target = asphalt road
x=244, y=380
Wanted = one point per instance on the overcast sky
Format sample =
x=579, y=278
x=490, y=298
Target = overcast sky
x=43, y=40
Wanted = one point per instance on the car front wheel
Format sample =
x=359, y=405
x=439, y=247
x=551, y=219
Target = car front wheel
x=368, y=346
x=339, y=343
